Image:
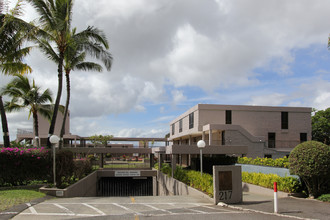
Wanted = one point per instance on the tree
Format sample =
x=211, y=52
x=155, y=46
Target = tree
x=24, y=95
x=54, y=31
x=321, y=126
x=310, y=160
x=100, y=139
x=92, y=42
x=13, y=33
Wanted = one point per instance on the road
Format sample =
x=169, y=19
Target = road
x=136, y=208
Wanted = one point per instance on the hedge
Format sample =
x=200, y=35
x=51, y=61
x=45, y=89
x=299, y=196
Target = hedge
x=19, y=166
x=279, y=162
x=285, y=184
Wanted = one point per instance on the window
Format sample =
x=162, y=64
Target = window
x=284, y=120
x=180, y=125
x=271, y=140
x=191, y=120
x=303, y=137
x=172, y=129
x=223, y=138
x=228, y=117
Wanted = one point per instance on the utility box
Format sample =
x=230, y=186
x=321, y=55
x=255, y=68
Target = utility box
x=227, y=184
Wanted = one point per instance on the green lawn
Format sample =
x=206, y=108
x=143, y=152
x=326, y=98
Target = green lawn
x=9, y=198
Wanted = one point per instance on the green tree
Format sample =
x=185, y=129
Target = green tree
x=54, y=32
x=100, y=139
x=92, y=42
x=321, y=126
x=13, y=33
x=24, y=95
x=310, y=160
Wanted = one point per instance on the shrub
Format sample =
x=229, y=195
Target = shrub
x=279, y=162
x=64, y=167
x=310, y=160
x=82, y=168
x=286, y=184
x=19, y=166
x=324, y=198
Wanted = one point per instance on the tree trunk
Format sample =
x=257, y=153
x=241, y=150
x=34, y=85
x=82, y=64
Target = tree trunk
x=67, y=76
x=36, y=128
x=58, y=98
x=6, y=141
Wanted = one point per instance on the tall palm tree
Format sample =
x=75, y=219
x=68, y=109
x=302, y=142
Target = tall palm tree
x=13, y=33
x=24, y=95
x=54, y=22
x=93, y=42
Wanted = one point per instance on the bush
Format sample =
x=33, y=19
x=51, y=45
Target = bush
x=310, y=160
x=286, y=184
x=279, y=162
x=64, y=168
x=82, y=168
x=20, y=166
x=324, y=198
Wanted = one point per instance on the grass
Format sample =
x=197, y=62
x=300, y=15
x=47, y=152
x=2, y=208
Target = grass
x=10, y=198
x=324, y=198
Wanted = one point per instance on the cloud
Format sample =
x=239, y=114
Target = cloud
x=274, y=99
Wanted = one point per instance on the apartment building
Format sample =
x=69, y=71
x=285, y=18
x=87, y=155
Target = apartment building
x=253, y=131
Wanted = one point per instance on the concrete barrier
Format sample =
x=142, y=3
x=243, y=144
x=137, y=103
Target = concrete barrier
x=168, y=186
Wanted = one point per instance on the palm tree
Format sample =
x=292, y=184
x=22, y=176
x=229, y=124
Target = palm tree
x=13, y=33
x=92, y=42
x=24, y=95
x=54, y=21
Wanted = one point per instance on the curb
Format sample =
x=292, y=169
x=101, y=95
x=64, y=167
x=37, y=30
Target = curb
x=262, y=212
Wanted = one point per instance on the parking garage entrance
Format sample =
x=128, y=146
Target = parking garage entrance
x=125, y=186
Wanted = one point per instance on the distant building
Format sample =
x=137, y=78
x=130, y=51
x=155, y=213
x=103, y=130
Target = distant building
x=253, y=131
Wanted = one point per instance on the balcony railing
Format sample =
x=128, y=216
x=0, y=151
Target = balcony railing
x=24, y=131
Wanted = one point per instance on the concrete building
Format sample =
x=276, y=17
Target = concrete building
x=252, y=131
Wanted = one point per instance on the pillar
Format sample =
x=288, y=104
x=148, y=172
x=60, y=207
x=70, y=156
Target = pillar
x=173, y=163
x=210, y=137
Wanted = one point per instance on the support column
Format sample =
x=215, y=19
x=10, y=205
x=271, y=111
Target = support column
x=210, y=137
x=203, y=136
x=151, y=157
x=190, y=140
x=101, y=160
x=189, y=160
x=173, y=163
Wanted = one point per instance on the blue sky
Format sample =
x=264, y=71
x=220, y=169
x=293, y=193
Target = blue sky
x=170, y=55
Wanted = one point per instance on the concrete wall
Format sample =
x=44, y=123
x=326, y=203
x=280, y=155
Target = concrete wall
x=168, y=186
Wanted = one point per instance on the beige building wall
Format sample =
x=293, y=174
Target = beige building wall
x=250, y=126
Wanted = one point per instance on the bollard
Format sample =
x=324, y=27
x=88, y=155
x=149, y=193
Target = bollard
x=275, y=198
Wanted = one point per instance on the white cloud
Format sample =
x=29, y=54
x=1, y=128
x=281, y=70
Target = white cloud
x=274, y=99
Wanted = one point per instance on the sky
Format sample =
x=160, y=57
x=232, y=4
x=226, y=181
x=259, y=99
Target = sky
x=170, y=55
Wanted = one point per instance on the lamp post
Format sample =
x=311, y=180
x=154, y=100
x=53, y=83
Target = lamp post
x=201, y=145
x=54, y=141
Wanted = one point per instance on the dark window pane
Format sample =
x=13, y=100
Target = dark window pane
x=284, y=120
x=271, y=140
x=191, y=120
x=303, y=137
x=228, y=116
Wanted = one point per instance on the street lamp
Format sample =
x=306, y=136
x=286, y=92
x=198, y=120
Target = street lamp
x=54, y=141
x=201, y=145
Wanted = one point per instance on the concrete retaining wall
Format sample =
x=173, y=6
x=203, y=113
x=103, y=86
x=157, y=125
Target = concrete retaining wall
x=168, y=186
x=282, y=172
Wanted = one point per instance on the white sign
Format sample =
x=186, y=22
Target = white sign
x=59, y=193
x=119, y=173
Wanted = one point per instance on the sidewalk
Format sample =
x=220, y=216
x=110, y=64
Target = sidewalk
x=289, y=206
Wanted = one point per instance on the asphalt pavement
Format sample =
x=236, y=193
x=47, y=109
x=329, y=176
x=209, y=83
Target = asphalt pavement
x=254, y=206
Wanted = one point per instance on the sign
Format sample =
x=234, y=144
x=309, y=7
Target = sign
x=227, y=184
x=59, y=193
x=124, y=173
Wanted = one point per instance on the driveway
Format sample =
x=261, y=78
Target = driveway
x=157, y=207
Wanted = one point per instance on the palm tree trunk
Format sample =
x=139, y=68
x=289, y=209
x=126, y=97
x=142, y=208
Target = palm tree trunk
x=67, y=76
x=6, y=141
x=58, y=98
x=36, y=128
